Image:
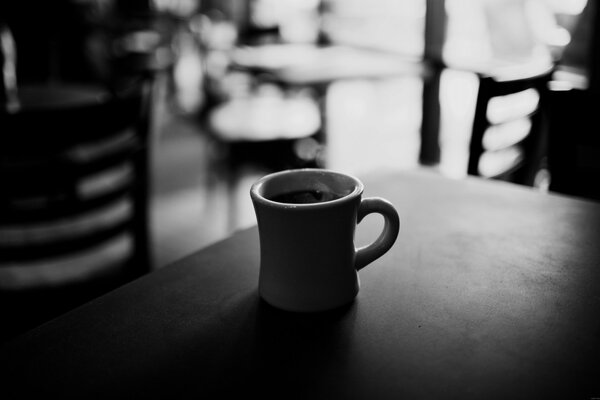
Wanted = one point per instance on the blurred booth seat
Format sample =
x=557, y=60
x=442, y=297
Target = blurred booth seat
x=73, y=198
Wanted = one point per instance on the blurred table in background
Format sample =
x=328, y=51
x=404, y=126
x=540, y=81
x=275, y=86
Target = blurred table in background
x=304, y=64
x=316, y=68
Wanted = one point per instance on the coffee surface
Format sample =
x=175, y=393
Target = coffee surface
x=305, y=197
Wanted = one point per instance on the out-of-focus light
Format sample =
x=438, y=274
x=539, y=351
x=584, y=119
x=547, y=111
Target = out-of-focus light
x=542, y=18
x=500, y=136
x=187, y=75
x=504, y=108
x=560, y=37
x=560, y=86
x=181, y=8
x=569, y=7
x=303, y=4
x=496, y=162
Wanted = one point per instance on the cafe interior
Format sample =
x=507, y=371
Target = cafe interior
x=132, y=130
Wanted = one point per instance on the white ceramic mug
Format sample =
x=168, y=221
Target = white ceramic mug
x=306, y=221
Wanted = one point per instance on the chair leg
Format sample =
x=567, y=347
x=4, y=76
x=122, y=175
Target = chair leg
x=430, y=125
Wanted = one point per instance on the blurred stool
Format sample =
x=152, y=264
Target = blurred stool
x=508, y=136
x=73, y=199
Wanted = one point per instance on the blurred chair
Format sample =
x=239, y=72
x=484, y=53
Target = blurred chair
x=74, y=190
x=508, y=135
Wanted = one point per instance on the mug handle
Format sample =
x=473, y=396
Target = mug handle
x=369, y=253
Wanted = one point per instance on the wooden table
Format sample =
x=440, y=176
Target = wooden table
x=491, y=292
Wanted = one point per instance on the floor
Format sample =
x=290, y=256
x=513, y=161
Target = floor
x=371, y=125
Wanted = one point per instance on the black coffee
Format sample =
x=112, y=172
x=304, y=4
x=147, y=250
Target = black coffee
x=305, y=197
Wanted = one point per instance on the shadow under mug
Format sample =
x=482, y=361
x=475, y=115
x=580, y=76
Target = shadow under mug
x=306, y=221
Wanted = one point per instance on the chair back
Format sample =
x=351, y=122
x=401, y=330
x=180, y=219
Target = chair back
x=507, y=139
x=73, y=199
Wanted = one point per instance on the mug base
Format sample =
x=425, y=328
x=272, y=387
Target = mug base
x=306, y=308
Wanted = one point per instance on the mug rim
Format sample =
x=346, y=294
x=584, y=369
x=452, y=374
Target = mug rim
x=257, y=196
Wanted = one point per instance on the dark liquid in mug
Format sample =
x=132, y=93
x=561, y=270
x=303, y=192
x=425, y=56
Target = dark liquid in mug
x=305, y=197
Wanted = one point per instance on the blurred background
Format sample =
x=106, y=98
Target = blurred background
x=244, y=87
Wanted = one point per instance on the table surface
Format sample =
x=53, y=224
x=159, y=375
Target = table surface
x=491, y=291
x=302, y=64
